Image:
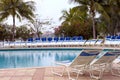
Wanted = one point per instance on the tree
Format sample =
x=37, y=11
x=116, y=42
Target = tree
x=37, y=24
x=112, y=8
x=16, y=9
x=22, y=32
x=2, y=31
x=92, y=7
x=73, y=15
x=5, y=32
x=75, y=23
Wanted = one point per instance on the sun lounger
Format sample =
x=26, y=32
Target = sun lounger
x=23, y=44
x=12, y=44
x=6, y=44
x=102, y=63
x=107, y=42
x=115, y=70
x=112, y=41
x=1, y=44
x=108, y=37
x=99, y=42
x=79, y=64
x=87, y=43
x=92, y=42
x=37, y=39
x=117, y=41
x=17, y=44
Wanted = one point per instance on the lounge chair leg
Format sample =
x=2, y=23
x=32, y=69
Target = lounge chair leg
x=112, y=71
x=68, y=72
x=115, y=74
x=77, y=75
x=96, y=77
x=53, y=71
x=69, y=76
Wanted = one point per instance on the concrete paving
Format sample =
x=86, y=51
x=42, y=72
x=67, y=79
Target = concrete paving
x=43, y=74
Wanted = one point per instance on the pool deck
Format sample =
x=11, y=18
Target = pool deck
x=43, y=74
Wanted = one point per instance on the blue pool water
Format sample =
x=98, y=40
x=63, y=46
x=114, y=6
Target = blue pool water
x=34, y=58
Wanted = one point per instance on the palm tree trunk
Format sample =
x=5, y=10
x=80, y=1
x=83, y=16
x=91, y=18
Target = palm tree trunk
x=94, y=29
x=13, y=35
x=92, y=10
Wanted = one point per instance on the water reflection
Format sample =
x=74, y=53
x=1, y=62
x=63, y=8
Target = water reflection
x=34, y=58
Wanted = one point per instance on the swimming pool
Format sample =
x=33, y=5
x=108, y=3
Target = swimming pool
x=34, y=58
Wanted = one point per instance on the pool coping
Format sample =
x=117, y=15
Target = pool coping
x=60, y=48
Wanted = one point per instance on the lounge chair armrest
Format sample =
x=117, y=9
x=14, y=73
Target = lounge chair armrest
x=64, y=63
x=99, y=66
x=77, y=66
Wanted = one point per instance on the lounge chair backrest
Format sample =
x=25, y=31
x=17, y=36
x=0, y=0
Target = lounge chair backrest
x=99, y=42
x=67, y=38
x=56, y=39
x=85, y=57
x=118, y=37
x=114, y=56
x=108, y=37
x=49, y=39
x=30, y=40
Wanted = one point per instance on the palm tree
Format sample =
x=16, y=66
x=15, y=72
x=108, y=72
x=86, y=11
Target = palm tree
x=73, y=22
x=73, y=15
x=16, y=9
x=92, y=7
x=112, y=7
x=70, y=19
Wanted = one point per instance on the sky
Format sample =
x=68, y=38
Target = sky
x=48, y=9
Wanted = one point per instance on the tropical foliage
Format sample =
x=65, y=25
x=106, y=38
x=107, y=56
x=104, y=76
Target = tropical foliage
x=17, y=9
x=76, y=23
x=112, y=8
x=22, y=32
x=5, y=32
x=81, y=20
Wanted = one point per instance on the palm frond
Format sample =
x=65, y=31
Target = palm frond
x=3, y=15
x=102, y=11
x=83, y=2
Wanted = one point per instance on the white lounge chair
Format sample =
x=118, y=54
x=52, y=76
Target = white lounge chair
x=99, y=42
x=82, y=42
x=102, y=63
x=23, y=44
x=87, y=43
x=107, y=42
x=115, y=70
x=6, y=44
x=79, y=64
x=92, y=42
x=12, y=44
x=1, y=44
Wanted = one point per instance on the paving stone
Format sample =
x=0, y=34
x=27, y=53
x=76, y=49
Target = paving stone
x=5, y=78
x=26, y=78
x=44, y=74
